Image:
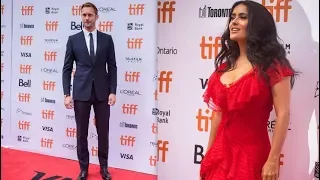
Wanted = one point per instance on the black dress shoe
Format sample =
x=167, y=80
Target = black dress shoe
x=83, y=175
x=105, y=174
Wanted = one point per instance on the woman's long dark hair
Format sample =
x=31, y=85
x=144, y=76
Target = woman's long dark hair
x=263, y=47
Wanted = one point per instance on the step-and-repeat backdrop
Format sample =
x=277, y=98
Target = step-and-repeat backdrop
x=188, y=40
x=33, y=114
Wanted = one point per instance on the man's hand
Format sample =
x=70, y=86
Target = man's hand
x=112, y=99
x=68, y=103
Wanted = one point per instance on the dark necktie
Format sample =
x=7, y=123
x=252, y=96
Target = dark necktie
x=91, y=46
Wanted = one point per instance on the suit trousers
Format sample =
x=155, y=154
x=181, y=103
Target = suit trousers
x=82, y=111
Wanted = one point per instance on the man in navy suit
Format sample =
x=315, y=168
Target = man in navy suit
x=95, y=83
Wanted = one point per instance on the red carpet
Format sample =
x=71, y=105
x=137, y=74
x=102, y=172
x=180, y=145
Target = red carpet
x=20, y=165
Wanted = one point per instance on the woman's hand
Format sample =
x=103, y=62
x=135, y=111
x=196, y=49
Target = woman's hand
x=270, y=170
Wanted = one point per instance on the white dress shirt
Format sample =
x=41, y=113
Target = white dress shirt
x=87, y=37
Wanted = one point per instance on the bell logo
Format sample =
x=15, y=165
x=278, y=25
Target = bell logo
x=46, y=143
x=281, y=5
x=71, y=132
x=76, y=10
x=2, y=38
x=127, y=140
x=47, y=114
x=162, y=149
x=26, y=10
x=134, y=43
x=94, y=151
x=25, y=69
x=210, y=46
x=131, y=76
x=26, y=40
x=204, y=118
x=154, y=128
x=24, y=125
x=136, y=9
x=49, y=85
x=164, y=80
x=129, y=109
x=50, y=56
x=153, y=160
x=52, y=25
x=24, y=97
x=105, y=26
x=2, y=9
x=165, y=9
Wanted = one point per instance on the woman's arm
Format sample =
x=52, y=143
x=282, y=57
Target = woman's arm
x=214, y=127
x=281, y=93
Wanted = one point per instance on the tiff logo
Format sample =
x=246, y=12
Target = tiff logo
x=153, y=160
x=164, y=10
x=46, y=143
x=2, y=8
x=71, y=132
x=94, y=151
x=209, y=46
x=49, y=85
x=105, y=26
x=127, y=140
x=24, y=125
x=134, y=43
x=162, y=149
x=76, y=10
x=24, y=97
x=2, y=38
x=52, y=25
x=47, y=114
x=210, y=12
x=136, y=9
x=129, y=108
x=154, y=128
x=131, y=76
x=26, y=40
x=25, y=69
x=164, y=80
x=281, y=5
x=26, y=10
x=204, y=118
x=50, y=56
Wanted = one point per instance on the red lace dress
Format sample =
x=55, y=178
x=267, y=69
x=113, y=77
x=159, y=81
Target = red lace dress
x=242, y=145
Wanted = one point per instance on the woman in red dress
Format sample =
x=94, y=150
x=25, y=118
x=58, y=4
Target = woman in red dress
x=252, y=76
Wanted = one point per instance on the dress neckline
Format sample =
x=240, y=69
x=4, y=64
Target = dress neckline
x=242, y=77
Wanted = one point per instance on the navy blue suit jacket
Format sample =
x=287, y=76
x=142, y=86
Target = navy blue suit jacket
x=90, y=69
